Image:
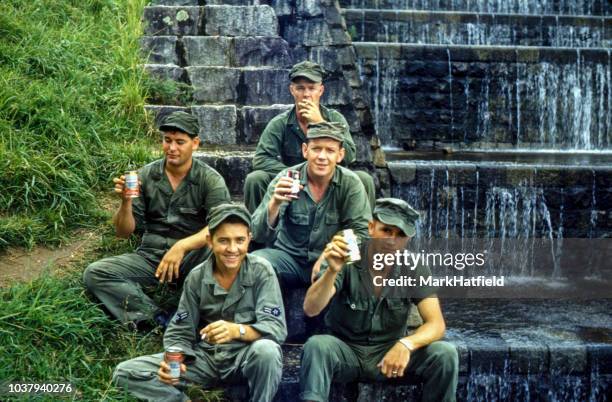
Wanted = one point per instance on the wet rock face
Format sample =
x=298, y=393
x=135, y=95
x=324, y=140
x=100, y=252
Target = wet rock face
x=503, y=97
x=573, y=7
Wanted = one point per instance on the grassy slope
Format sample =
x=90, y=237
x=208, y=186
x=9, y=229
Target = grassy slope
x=71, y=117
x=71, y=111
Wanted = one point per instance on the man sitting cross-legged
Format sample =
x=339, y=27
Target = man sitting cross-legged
x=368, y=327
x=229, y=324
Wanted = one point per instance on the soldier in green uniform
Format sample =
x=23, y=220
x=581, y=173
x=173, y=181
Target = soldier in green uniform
x=280, y=144
x=368, y=326
x=176, y=194
x=229, y=324
x=331, y=198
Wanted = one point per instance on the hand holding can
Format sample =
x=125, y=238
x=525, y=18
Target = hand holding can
x=174, y=357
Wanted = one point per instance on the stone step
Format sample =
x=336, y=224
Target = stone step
x=477, y=29
x=572, y=193
x=212, y=20
x=555, y=98
x=545, y=355
x=219, y=51
x=537, y=7
x=256, y=86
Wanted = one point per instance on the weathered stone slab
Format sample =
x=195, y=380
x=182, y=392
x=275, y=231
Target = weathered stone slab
x=261, y=87
x=261, y=51
x=214, y=84
x=162, y=20
x=159, y=49
x=241, y=21
x=309, y=8
x=207, y=50
x=254, y=120
x=233, y=166
x=166, y=71
x=217, y=123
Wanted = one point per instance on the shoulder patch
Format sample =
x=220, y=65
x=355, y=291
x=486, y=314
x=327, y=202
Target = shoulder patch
x=180, y=316
x=272, y=310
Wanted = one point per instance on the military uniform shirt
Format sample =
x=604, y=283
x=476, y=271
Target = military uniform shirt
x=358, y=316
x=280, y=144
x=254, y=299
x=304, y=227
x=163, y=215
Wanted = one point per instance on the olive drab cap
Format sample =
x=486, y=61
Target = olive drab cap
x=220, y=213
x=180, y=121
x=396, y=212
x=327, y=129
x=308, y=70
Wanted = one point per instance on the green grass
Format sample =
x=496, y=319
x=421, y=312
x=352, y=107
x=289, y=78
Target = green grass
x=72, y=92
x=52, y=331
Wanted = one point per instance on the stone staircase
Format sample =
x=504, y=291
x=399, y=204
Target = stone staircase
x=468, y=75
x=460, y=76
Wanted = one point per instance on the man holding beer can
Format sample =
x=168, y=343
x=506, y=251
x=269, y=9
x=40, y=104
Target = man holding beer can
x=368, y=324
x=166, y=202
x=280, y=144
x=228, y=327
x=329, y=198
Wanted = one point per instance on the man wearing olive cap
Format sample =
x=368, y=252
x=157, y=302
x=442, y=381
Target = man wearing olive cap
x=368, y=325
x=280, y=144
x=229, y=324
x=176, y=193
x=331, y=198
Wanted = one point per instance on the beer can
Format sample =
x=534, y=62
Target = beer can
x=351, y=239
x=295, y=187
x=131, y=187
x=174, y=357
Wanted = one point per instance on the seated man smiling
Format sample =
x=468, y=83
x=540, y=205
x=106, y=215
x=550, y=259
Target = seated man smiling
x=229, y=324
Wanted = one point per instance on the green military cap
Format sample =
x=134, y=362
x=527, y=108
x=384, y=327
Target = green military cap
x=396, y=212
x=307, y=69
x=220, y=213
x=180, y=121
x=334, y=130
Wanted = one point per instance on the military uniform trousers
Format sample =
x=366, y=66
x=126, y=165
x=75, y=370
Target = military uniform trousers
x=326, y=358
x=118, y=281
x=290, y=272
x=257, y=182
x=258, y=364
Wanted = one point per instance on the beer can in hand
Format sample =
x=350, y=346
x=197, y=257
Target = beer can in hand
x=351, y=239
x=174, y=357
x=295, y=187
x=131, y=187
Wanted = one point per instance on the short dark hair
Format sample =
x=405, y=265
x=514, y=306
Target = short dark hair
x=229, y=219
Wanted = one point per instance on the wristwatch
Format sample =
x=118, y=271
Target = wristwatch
x=408, y=344
x=242, y=330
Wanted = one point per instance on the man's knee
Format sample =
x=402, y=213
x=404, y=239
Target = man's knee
x=266, y=353
x=92, y=275
x=257, y=178
x=318, y=348
x=444, y=355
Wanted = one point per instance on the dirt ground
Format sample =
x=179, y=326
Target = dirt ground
x=18, y=264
